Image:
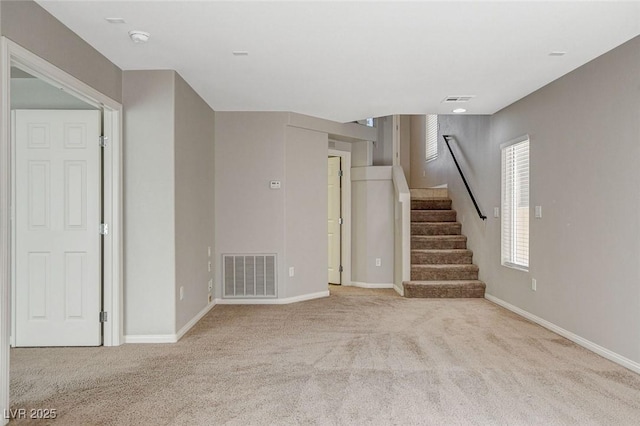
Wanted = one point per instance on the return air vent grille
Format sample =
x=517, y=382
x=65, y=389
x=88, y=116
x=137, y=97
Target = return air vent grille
x=460, y=98
x=249, y=275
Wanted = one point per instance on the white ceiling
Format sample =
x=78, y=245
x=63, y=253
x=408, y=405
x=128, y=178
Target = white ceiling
x=349, y=60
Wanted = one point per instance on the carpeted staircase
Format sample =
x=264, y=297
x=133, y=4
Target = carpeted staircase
x=441, y=265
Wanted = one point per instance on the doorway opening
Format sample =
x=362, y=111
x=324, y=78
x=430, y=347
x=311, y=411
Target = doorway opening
x=339, y=216
x=13, y=55
x=334, y=219
x=56, y=210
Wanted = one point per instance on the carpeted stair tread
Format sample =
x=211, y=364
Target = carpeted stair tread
x=438, y=242
x=444, y=272
x=441, y=264
x=433, y=215
x=431, y=204
x=444, y=289
x=436, y=228
x=421, y=193
x=439, y=256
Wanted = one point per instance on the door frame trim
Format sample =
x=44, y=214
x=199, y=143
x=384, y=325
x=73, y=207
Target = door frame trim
x=345, y=232
x=11, y=52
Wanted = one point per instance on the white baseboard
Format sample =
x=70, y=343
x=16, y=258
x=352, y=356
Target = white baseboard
x=593, y=347
x=194, y=321
x=399, y=290
x=370, y=285
x=150, y=338
x=283, y=301
x=168, y=338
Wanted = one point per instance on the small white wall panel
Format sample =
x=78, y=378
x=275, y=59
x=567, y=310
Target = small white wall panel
x=38, y=136
x=75, y=282
x=75, y=136
x=39, y=270
x=39, y=194
x=75, y=181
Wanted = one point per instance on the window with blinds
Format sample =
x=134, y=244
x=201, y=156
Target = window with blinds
x=515, y=204
x=431, y=138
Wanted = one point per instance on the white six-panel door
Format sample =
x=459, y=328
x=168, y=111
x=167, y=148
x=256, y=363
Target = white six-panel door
x=333, y=182
x=57, y=240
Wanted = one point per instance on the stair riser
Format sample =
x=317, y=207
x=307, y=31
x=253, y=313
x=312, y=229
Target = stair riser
x=431, y=204
x=441, y=258
x=443, y=275
x=418, y=228
x=440, y=293
x=438, y=244
x=433, y=216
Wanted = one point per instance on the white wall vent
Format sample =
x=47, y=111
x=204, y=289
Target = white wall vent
x=459, y=98
x=249, y=275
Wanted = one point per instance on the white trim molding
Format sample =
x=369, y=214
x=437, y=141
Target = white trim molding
x=5, y=228
x=399, y=290
x=371, y=285
x=188, y=326
x=150, y=338
x=169, y=338
x=593, y=347
x=284, y=301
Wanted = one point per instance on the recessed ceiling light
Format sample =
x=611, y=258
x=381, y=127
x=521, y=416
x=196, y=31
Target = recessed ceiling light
x=557, y=53
x=139, y=36
x=240, y=53
x=115, y=20
x=459, y=110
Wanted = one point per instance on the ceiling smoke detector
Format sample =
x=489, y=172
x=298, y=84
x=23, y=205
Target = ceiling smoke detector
x=139, y=36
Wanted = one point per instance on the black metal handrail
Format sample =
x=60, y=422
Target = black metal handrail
x=446, y=139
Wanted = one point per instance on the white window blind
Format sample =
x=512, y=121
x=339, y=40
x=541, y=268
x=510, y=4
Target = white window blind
x=515, y=205
x=431, y=142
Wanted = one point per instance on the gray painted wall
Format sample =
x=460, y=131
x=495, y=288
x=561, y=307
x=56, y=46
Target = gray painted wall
x=253, y=148
x=169, y=199
x=585, y=148
x=383, y=147
x=372, y=229
x=194, y=198
x=32, y=27
x=417, y=171
x=306, y=210
x=405, y=147
x=149, y=203
x=250, y=217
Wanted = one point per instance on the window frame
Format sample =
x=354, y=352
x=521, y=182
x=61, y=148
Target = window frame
x=508, y=259
x=433, y=148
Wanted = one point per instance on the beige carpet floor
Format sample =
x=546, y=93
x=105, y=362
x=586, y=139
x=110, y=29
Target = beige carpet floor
x=357, y=357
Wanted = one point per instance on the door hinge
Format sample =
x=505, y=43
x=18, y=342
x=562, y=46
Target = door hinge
x=340, y=269
x=340, y=173
x=103, y=141
x=104, y=229
x=104, y=316
x=340, y=221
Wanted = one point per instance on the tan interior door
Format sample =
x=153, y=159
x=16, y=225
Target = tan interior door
x=333, y=178
x=57, y=228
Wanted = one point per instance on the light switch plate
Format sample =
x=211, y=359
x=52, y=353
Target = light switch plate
x=538, y=212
